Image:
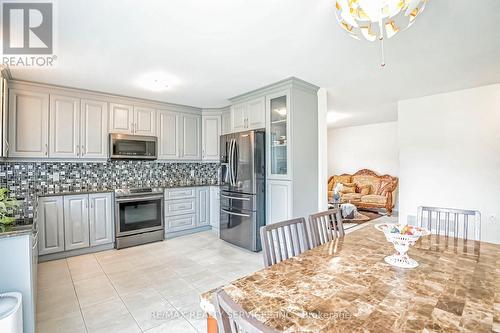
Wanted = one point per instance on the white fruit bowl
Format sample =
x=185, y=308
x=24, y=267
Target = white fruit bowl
x=402, y=237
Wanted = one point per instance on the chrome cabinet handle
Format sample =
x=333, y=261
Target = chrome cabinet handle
x=83, y=150
x=46, y=149
x=237, y=214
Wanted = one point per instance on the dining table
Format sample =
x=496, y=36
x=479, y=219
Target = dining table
x=346, y=286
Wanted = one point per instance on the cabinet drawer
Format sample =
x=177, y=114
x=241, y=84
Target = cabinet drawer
x=178, y=223
x=179, y=193
x=180, y=207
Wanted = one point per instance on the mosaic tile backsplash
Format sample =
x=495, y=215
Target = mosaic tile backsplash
x=26, y=180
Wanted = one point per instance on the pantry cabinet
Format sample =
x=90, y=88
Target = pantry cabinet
x=28, y=123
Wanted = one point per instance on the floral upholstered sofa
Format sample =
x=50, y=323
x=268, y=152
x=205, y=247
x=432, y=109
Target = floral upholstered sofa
x=365, y=189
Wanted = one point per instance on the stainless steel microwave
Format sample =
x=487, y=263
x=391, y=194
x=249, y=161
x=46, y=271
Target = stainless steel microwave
x=124, y=146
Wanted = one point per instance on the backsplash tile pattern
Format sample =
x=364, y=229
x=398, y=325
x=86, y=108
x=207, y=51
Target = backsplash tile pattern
x=28, y=179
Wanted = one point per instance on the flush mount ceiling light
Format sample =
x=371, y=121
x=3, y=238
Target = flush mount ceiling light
x=156, y=81
x=376, y=19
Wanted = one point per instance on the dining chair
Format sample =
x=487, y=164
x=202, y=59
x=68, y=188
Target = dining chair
x=232, y=318
x=458, y=223
x=283, y=240
x=325, y=226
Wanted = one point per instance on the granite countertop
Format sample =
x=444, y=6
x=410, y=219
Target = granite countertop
x=345, y=286
x=18, y=230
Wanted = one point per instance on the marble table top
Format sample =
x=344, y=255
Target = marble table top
x=345, y=286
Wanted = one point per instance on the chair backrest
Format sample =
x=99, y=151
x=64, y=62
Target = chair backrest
x=231, y=318
x=325, y=226
x=457, y=223
x=283, y=240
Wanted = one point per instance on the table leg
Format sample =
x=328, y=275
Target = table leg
x=211, y=324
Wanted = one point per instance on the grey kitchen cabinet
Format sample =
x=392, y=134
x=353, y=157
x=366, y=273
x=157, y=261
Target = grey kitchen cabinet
x=51, y=224
x=203, y=206
x=94, y=129
x=211, y=131
x=168, y=135
x=101, y=219
x=64, y=130
x=144, y=121
x=28, y=123
x=180, y=223
x=249, y=115
x=226, y=123
x=76, y=222
x=121, y=118
x=191, y=137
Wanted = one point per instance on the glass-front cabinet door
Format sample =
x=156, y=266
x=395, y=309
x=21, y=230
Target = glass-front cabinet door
x=278, y=110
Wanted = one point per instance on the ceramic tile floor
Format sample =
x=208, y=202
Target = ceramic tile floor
x=148, y=288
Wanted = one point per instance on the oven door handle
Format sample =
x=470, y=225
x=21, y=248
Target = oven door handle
x=139, y=198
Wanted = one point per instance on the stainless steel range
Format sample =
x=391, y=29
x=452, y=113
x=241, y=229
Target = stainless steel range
x=138, y=216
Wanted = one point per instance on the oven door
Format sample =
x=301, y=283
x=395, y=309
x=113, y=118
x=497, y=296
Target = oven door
x=139, y=214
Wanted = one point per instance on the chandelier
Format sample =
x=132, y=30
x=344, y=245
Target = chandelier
x=376, y=19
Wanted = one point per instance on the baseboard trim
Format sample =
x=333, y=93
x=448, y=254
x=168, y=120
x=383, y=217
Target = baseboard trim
x=72, y=253
x=186, y=232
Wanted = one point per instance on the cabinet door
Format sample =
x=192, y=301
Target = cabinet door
x=279, y=201
x=94, y=129
x=191, y=135
x=121, y=118
x=168, y=135
x=256, y=113
x=64, y=133
x=51, y=225
x=226, y=123
x=144, y=121
x=76, y=222
x=211, y=131
x=203, y=206
x=101, y=219
x=215, y=207
x=29, y=123
x=279, y=140
x=239, y=117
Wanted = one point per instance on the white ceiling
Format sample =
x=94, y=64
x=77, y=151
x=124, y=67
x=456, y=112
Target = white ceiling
x=221, y=48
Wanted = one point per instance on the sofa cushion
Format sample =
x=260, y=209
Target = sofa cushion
x=362, y=180
x=346, y=197
x=341, y=179
x=363, y=189
x=348, y=189
x=374, y=199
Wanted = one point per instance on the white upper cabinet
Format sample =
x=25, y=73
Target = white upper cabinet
x=94, y=129
x=256, y=113
x=191, y=137
x=278, y=133
x=64, y=131
x=239, y=117
x=144, y=121
x=28, y=123
x=249, y=115
x=226, y=123
x=121, y=118
x=168, y=135
x=211, y=131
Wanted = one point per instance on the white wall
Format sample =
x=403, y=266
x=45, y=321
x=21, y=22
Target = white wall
x=372, y=147
x=450, y=154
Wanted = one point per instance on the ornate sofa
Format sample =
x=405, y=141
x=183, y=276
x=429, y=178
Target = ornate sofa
x=365, y=189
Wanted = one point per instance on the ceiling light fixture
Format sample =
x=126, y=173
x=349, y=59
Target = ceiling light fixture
x=156, y=81
x=376, y=19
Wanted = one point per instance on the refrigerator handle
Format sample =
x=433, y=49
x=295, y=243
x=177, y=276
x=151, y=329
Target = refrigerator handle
x=230, y=168
x=235, y=162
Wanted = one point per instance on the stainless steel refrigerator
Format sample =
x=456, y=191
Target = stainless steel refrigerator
x=243, y=188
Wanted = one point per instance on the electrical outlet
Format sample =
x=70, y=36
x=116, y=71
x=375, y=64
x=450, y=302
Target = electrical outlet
x=492, y=218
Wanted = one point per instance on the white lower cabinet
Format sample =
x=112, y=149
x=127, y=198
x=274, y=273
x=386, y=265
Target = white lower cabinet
x=215, y=207
x=51, y=225
x=203, y=205
x=101, y=219
x=75, y=221
x=186, y=208
x=279, y=200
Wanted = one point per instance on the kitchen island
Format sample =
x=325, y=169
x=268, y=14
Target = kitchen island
x=345, y=286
